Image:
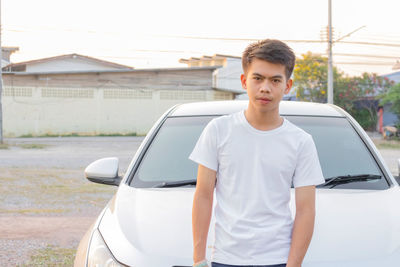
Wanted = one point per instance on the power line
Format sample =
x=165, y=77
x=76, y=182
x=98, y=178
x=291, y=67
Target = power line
x=370, y=43
x=387, y=44
x=368, y=56
x=366, y=63
x=219, y=38
x=288, y=41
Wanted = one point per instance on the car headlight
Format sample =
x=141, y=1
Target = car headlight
x=99, y=254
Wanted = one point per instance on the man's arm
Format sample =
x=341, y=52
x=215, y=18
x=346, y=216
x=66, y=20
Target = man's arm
x=202, y=208
x=303, y=225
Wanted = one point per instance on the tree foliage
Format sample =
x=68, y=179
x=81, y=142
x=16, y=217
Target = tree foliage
x=310, y=76
x=393, y=97
x=360, y=91
x=357, y=95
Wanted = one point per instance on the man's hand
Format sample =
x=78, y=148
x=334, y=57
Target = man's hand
x=303, y=225
x=202, y=263
x=201, y=212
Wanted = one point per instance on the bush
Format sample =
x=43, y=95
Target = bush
x=363, y=117
x=393, y=96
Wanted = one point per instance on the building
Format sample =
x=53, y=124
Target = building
x=6, y=54
x=226, y=76
x=78, y=94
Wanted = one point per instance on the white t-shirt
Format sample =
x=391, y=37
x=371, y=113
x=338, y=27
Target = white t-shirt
x=255, y=170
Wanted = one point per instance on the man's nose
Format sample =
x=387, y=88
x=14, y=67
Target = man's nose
x=265, y=88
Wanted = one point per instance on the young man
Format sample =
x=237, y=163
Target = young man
x=256, y=155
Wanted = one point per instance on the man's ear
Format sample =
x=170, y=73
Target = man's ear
x=243, y=79
x=289, y=85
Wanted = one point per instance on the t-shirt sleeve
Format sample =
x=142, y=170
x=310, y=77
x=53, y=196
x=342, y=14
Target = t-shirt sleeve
x=308, y=169
x=205, y=150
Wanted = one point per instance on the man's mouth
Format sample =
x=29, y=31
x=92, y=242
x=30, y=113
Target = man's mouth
x=264, y=100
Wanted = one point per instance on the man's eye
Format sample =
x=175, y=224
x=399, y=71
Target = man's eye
x=276, y=80
x=257, y=78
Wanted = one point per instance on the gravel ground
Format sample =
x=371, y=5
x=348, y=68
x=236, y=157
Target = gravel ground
x=391, y=156
x=45, y=199
x=17, y=251
x=22, y=235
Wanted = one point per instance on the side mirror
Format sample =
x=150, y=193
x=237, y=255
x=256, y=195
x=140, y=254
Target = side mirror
x=103, y=171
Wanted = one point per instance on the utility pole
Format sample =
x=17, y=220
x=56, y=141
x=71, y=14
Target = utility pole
x=330, y=65
x=1, y=85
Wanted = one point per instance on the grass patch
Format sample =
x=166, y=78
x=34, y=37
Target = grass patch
x=388, y=145
x=59, y=135
x=80, y=135
x=3, y=146
x=34, y=211
x=33, y=146
x=52, y=256
x=26, y=136
x=118, y=134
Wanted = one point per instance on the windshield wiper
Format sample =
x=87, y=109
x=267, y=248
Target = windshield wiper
x=345, y=179
x=176, y=183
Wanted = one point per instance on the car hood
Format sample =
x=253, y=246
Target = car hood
x=152, y=227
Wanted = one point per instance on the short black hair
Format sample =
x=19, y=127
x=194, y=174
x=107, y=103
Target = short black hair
x=273, y=51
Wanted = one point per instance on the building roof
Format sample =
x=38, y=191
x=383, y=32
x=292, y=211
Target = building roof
x=207, y=58
x=10, y=48
x=95, y=60
x=211, y=68
x=227, y=56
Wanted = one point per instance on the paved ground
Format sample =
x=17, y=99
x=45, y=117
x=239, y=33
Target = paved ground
x=44, y=198
x=68, y=152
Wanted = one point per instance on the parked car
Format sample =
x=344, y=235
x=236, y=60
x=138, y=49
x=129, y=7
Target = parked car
x=147, y=223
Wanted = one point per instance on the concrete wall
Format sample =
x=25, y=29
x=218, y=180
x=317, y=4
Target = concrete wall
x=100, y=102
x=41, y=111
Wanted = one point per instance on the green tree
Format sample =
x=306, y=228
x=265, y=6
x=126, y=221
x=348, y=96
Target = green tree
x=393, y=97
x=360, y=96
x=310, y=77
x=357, y=95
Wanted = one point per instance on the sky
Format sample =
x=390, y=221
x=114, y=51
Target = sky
x=157, y=33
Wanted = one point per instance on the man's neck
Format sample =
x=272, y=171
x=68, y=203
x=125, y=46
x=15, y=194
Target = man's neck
x=263, y=121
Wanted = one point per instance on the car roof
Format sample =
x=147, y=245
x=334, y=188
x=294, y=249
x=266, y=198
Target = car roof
x=231, y=106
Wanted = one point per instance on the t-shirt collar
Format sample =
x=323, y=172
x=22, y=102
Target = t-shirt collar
x=248, y=126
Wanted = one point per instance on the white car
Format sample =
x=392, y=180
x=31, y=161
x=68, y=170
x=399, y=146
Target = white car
x=148, y=221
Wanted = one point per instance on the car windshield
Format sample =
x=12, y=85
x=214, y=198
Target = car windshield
x=340, y=149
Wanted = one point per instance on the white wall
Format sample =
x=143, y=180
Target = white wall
x=228, y=77
x=40, y=111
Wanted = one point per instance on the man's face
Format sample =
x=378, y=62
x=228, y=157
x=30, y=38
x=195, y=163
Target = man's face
x=265, y=84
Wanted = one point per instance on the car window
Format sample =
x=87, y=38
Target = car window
x=341, y=151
